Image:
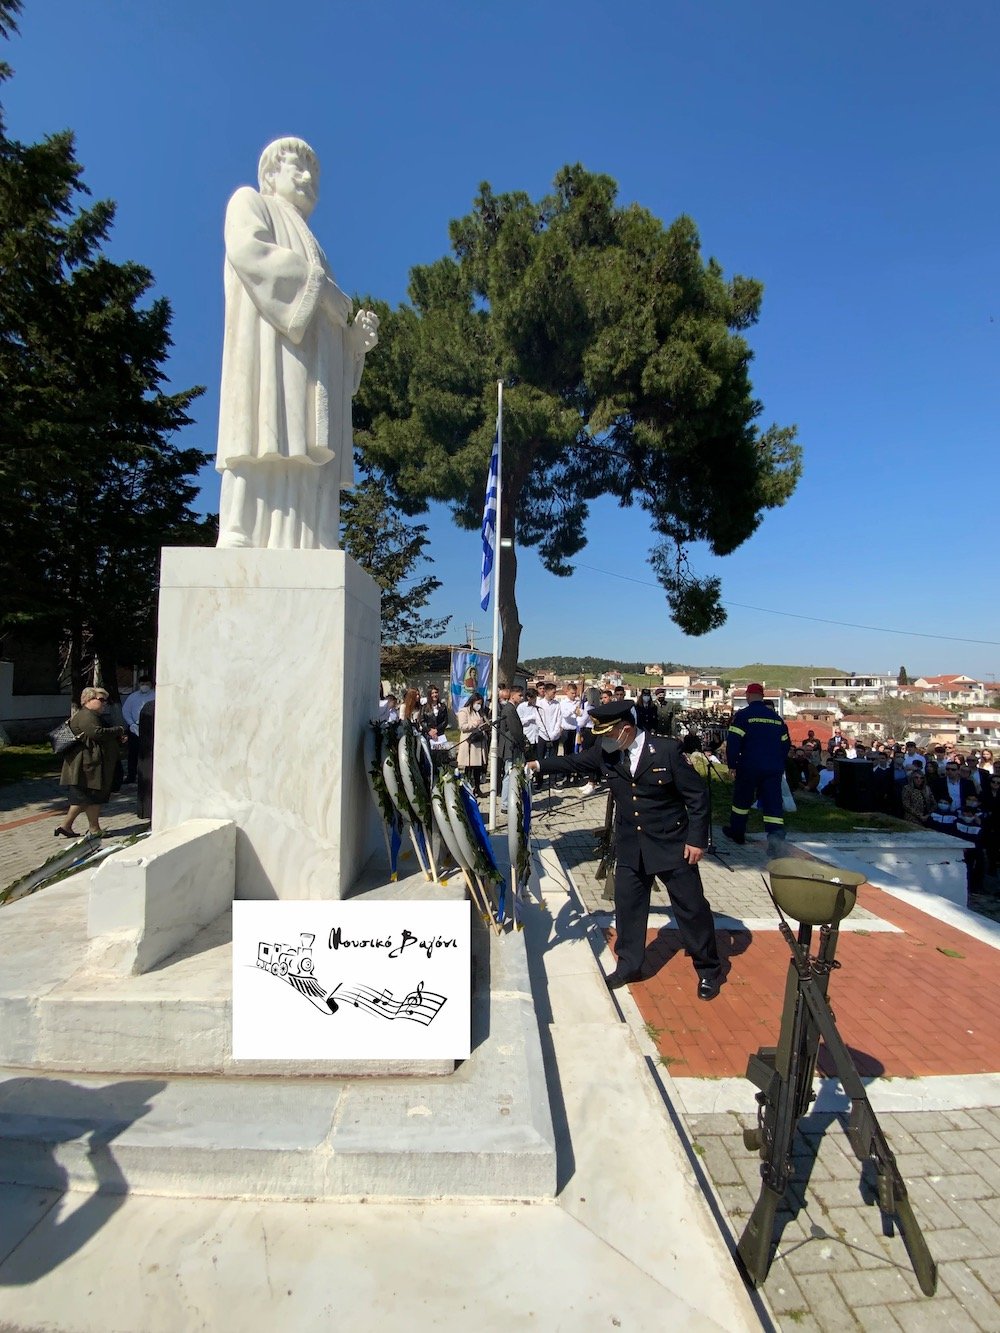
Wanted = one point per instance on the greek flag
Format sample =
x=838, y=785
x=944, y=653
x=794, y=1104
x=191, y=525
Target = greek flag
x=490, y=525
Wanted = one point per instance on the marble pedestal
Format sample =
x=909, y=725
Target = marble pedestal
x=267, y=675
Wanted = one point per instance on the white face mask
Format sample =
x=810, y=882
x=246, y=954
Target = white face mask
x=477, y=708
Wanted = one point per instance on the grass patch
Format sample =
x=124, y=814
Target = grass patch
x=19, y=762
x=652, y=1031
x=668, y=1060
x=697, y=1149
x=815, y=814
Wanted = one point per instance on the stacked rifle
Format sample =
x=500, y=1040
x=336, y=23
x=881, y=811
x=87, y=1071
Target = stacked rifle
x=815, y=895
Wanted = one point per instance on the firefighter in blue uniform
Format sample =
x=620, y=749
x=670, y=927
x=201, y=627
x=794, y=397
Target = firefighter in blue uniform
x=757, y=746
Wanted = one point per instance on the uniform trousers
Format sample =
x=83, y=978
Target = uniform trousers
x=750, y=785
x=695, y=924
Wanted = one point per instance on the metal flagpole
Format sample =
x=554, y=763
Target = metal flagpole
x=494, y=700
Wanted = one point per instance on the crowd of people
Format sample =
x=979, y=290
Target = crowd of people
x=936, y=787
x=533, y=722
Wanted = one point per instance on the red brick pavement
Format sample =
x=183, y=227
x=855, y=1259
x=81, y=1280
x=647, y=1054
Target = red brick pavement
x=906, y=1005
x=30, y=819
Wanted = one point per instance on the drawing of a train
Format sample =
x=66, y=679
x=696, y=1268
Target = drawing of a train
x=282, y=959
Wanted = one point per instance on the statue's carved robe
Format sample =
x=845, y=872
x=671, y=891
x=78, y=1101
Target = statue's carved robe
x=288, y=376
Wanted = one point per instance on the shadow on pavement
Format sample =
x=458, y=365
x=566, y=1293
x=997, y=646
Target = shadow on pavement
x=39, y=1114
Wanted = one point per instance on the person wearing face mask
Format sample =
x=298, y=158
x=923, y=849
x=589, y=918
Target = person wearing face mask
x=646, y=711
x=131, y=708
x=661, y=823
x=473, y=723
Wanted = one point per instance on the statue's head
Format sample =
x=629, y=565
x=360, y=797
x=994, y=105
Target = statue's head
x=290, y=169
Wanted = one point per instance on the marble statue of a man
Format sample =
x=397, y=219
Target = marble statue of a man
x=291, y=363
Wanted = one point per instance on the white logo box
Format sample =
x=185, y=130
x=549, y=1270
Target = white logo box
x=346, y=981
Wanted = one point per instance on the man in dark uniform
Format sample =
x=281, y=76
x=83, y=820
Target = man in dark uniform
x=661, y=818
x=756, y=749
x=510, y=737
x=664, y=725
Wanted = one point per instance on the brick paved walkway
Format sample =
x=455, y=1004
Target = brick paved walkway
x=914, y=997
x=30, y=810
x=921, y=1002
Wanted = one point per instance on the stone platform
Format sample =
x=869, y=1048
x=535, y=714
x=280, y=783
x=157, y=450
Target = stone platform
x=60, y=1011
x=483, y=1130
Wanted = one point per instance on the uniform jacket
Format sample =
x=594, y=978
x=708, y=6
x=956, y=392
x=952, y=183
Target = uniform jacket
x=647, y=715
x=659, y=810
x=757, y=740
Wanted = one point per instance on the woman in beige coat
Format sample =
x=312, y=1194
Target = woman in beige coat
x=88, y=770
x=473, y=723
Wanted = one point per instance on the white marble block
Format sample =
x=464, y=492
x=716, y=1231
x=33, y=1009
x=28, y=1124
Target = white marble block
x=267, y=675
x=147, y=900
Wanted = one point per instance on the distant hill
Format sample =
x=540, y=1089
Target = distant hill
x=783, y=677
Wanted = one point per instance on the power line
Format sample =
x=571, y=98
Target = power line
x=794, y=615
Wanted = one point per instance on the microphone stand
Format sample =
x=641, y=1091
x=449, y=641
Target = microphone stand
x=711, y=849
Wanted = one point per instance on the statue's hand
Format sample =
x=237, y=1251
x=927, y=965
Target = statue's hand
x=366, y=330
x=337, y=304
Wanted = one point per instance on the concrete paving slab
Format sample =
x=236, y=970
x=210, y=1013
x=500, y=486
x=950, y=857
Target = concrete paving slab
x=951, y=1092
x=156, y=1266
x=21, y=1209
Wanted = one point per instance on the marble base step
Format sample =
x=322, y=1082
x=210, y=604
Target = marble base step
x=485, y=1131
x=60, y=1012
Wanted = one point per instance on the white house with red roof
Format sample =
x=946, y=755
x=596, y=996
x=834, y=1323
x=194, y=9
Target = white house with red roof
x=982, y=726
x=951, y=689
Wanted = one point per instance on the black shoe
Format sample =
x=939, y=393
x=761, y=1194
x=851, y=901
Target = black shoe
x=709, y=987
x=619, y=978
x=734, y=837
x=60, y=832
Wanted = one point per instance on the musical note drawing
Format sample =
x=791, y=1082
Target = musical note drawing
x=419, y=1006
x=294, y=964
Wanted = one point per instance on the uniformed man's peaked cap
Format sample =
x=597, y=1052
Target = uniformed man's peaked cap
x=604, y=716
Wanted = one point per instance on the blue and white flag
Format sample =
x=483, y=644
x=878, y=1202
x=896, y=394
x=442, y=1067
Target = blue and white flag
x=490, y=524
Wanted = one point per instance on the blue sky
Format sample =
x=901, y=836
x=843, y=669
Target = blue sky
x=844, y=155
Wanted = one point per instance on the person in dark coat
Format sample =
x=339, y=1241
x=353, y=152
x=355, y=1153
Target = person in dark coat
x=88, y=771
x=951, y=786
x=433, y=717
x=144, y=767
x=510, y=737
x=646, y=712
x=661, y=821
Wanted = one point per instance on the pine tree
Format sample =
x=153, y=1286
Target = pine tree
x=625, y=374
x=91, y=482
